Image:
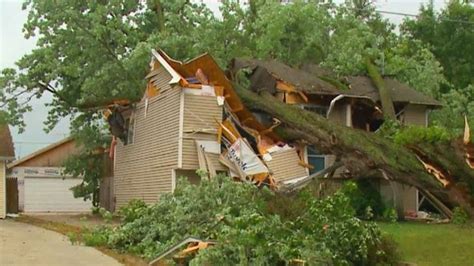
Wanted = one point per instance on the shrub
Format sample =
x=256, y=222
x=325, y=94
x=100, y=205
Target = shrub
x=105, y=214
x=246, y=224
x=417, y=134
x=364, y=198
x=133, y=210
x=460, y=216
x=390, y=215
x=73, y=237
x=97, y=237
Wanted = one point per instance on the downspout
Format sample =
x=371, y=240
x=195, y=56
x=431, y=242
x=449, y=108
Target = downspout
x=333, y=102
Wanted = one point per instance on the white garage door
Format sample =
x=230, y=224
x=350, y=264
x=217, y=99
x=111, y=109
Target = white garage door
x=53, y=195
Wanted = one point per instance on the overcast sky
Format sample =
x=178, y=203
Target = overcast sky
x=13, y=46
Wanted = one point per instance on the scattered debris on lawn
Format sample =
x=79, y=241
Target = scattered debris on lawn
x=180, y=255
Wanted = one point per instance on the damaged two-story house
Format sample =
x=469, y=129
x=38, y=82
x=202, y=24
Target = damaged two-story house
x=191, y=118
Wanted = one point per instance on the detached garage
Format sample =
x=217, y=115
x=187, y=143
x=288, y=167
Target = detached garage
x=42, y=186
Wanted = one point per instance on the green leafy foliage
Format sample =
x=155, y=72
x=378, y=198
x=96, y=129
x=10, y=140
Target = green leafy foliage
x=460, y=216
x=247, y=231
x=418, y=134
x=133, y=210
x=390, y=215
x=364, y=198
x=449, y=36
x=96, y=237
x=90, y=52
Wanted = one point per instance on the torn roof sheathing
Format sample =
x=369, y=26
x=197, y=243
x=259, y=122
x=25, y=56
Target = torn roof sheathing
x=216, y=76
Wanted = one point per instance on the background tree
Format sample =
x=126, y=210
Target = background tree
x=449, y=35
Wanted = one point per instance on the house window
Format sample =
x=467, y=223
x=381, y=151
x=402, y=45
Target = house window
x=129, y=130
x=316, y=159
x=318, y=109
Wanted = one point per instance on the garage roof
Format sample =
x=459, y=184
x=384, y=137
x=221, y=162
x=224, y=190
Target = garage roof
x=39, y=152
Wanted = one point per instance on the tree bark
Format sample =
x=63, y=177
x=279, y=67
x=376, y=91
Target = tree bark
x=384, y=92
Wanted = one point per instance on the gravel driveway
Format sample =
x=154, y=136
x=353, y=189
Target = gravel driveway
x=24, y=244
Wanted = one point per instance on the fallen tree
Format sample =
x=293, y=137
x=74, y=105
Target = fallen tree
x=367, y=154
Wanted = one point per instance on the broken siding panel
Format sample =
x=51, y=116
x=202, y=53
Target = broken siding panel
x=285, y=165
x=189, y=152
x=143, y=169
x=161, y=79
x=415, y=114
x=190, y=156
x=201, y=112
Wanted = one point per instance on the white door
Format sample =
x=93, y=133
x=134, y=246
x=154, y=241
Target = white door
x=43, y=194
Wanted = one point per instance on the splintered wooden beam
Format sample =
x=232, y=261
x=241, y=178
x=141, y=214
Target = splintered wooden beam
x=468, y=146
x=435, y=171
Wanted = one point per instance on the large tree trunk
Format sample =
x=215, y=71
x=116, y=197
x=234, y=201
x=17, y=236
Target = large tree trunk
x=384, y=92
x=367, y=154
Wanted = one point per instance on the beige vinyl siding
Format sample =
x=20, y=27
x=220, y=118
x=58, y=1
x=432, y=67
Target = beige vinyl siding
x=395, y=193
x=415, y=114
x=143, y=169
x=161, y=80
x=200, y=114
x=338, y=113
x=3, y=192
x=285, y=165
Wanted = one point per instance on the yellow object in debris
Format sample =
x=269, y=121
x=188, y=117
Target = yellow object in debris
x=106, y=113
x=229, y=131
x=467, y=133
x=151, y=91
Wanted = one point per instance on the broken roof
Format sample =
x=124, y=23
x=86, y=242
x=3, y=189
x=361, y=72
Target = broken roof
x=308, y=81
x=400, y=92
x=7, y=152
x=302, y=80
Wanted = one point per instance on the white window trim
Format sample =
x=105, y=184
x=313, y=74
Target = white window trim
x=307, y=156
x=181, y=128
x=133, y=121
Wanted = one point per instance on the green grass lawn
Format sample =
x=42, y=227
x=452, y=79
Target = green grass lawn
x=433, y=244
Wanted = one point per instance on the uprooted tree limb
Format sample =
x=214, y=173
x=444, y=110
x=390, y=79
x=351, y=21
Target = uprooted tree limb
x=368, y=154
